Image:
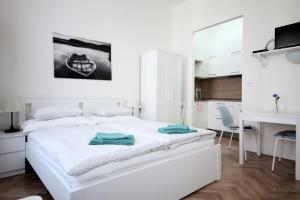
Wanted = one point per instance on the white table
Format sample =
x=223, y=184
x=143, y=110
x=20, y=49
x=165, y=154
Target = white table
x=278, y=118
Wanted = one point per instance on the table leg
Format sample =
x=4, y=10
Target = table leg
x=298, y=150
x=259, y=135
x=241, y=143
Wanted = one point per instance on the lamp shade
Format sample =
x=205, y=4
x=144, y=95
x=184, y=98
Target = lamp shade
x=12, y=105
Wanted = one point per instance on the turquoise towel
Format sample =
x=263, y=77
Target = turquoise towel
x=176, y=129
x=112, y=138
x=179, y=127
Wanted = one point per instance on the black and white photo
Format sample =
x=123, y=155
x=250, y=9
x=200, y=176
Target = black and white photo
x=81, y=58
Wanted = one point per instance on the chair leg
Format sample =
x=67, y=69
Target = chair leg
x=245, y=151
x=274, y=154
x=220, y=137
x=280, y=151
x=256, y=139
x=230, y=140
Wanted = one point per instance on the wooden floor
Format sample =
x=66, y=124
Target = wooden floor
x=254, y=180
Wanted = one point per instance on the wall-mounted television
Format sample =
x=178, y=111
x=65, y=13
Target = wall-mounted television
x=287, y=36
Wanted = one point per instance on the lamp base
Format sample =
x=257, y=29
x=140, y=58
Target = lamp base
x=11, y=130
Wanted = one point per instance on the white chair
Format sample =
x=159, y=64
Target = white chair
x=228, y=124
x=289, y=135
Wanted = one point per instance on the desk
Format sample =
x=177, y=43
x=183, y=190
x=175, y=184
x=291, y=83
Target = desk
x=278, y=118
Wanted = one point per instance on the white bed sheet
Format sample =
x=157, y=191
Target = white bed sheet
x=114, y=169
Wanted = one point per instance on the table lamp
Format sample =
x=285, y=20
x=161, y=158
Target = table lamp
x=12, y=105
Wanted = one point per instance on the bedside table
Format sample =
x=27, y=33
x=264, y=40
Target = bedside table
x=12, y=154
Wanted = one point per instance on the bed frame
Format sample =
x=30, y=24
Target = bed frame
x=168, y=179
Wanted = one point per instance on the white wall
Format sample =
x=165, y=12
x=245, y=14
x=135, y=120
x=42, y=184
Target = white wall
x=260, y=19
x=26, y=51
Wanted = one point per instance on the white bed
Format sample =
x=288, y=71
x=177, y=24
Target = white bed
x=171, y=173
x=116, y=168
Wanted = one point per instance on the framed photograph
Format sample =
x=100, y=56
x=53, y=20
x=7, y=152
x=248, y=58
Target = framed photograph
x=81, y=58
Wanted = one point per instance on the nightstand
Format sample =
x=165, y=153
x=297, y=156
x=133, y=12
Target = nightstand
x=12, y=154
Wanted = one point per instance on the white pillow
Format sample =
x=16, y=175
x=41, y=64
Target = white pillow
x=55, y=111
x=34, y=125
x=95, y=119
x=114, y=111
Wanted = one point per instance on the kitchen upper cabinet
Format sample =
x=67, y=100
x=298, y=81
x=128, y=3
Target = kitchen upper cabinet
x=204, y=44
x=208, y=53
x=233, y=51
x=232, y=64
x=210, y=67
x=220, y=49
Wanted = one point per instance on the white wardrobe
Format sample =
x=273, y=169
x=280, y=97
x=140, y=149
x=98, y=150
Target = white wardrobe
x=161, y=86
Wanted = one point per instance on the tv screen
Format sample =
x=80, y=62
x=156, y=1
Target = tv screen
x=287, y=36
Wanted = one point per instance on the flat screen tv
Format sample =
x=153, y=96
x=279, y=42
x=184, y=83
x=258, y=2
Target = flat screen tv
x=287, y=36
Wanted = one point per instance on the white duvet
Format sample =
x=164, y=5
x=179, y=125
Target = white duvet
x=68, y=146
x=146, y=127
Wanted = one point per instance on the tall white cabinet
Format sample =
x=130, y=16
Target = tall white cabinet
x=161, y=86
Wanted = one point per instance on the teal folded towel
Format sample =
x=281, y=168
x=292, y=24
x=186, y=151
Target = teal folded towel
x=112, y=138
x=176, y=129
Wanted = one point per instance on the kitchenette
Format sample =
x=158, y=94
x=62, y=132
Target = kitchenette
x=218, y=75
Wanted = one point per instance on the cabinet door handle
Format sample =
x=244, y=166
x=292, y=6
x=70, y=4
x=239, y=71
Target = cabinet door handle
x=212, y=74
x=233, y=52
x=218, y=118
x=235, y=72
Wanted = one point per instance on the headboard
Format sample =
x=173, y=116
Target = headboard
x=86, y=104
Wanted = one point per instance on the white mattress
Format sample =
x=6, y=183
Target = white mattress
x=114, y=169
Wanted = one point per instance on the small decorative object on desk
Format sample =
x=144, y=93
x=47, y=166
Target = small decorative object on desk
x=276, y=98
